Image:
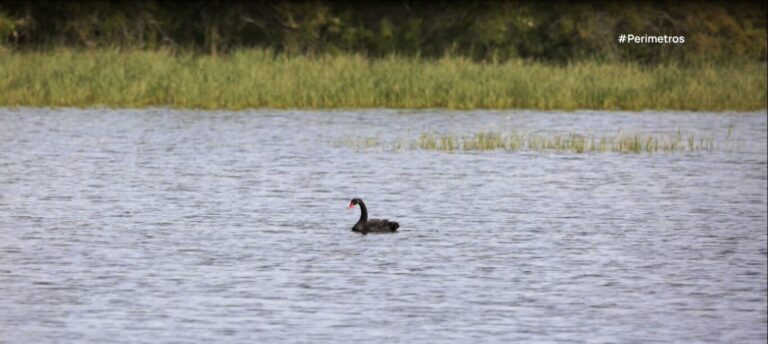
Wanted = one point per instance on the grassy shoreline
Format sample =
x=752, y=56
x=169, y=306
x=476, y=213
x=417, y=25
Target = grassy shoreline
x=258, y=79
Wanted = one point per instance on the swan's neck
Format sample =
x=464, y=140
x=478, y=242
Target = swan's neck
x=363, y=213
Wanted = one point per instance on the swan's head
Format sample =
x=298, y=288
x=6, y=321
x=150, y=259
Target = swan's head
x=354, y=202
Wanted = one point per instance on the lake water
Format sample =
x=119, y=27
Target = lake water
x=158, y=225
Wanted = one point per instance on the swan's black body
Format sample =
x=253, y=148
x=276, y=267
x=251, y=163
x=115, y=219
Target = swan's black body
x=365, y=226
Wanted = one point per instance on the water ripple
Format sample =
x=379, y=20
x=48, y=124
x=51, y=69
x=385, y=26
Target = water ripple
x=173, y=226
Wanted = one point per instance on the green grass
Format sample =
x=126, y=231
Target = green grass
x=679, y=141
x=258, y=78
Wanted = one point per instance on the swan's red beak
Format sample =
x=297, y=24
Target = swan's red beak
x=350, y=206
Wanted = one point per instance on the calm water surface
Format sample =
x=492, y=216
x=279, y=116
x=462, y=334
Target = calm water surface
x=148, y=226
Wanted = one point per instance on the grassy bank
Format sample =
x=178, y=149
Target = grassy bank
x=254, y=79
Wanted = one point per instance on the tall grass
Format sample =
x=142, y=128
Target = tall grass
x=679, y=141
x=259, y=78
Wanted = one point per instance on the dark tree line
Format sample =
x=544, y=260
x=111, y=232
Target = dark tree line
x=481, y=30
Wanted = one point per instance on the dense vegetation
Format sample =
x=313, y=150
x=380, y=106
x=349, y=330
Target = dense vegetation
x=405, y=54
x=479, y=30
x=258, y=78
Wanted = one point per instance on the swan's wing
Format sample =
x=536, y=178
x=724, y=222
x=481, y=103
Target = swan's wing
x=380, y=225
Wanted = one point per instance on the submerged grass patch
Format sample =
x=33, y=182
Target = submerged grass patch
x=680, y=141
x=260, y=78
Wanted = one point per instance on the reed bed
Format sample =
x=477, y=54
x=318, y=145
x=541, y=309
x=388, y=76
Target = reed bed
x=680, y=141
x=263, y=79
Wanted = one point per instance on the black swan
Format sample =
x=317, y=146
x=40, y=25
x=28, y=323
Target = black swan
x=366, y=226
